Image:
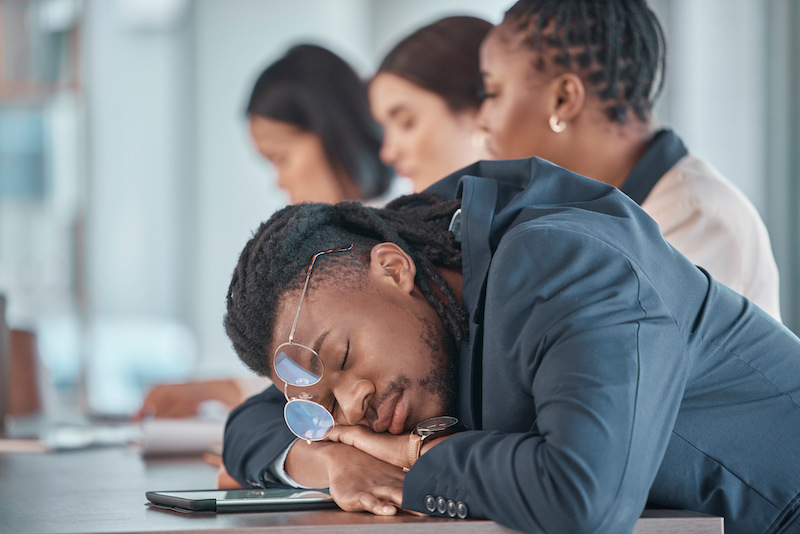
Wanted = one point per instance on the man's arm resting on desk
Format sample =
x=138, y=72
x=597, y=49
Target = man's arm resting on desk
x=357, y=481
x=256, y=436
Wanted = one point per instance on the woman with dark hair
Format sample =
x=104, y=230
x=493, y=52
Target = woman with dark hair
x=574, y=81
x=309, y=117
x=426, y=94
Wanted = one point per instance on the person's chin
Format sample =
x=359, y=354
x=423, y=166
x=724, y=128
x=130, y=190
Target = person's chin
x=493, y=153
x=404, y=171
x=424, y=181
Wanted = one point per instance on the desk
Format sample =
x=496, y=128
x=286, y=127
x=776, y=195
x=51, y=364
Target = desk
x=102, y=490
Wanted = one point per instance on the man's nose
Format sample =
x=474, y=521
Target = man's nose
x=353, y=398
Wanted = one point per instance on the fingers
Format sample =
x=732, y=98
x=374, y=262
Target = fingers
x=334, y=435
x=394, y=496
x=381, y=500
x=141, y=414
x=370, y=503
x=361, y=482
x=391, y=494
x=383, y=446
x=170, y=401
x=349, y=435
x=148, y=409
x=225, y=481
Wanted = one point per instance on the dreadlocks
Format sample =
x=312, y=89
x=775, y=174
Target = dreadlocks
x=617, y=46
x=275, y=260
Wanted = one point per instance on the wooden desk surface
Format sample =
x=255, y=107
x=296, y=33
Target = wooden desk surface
x=102, y=490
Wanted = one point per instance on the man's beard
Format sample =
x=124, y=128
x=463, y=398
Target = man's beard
x=442, y=381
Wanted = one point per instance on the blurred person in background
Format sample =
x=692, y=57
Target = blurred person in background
x=574, y=82
x=426, y=94
x=309, y=117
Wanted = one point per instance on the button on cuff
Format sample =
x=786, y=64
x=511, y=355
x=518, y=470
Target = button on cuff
x=430, y=503
x=441, y=505
x=451, y=508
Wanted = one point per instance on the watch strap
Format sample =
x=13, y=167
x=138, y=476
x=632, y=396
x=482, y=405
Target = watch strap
x=414, y=448
x=415, y=442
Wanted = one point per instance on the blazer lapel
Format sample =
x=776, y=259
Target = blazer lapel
x=478, y=199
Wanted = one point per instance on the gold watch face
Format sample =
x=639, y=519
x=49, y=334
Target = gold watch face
x=435, y=424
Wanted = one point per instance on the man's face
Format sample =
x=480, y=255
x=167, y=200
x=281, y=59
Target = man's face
x=385, y=353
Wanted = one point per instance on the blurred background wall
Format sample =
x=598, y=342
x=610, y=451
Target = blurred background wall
x=128, y=183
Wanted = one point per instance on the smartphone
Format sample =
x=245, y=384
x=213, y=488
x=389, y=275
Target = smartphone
x=242, y=500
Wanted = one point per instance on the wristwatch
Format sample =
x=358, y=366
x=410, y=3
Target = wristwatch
x=435, y=427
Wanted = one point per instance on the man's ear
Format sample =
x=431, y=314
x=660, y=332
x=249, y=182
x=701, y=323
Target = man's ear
x=569, y=96
x=391, y=264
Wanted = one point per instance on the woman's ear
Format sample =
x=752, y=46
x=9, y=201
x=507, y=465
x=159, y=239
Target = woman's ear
x=569, y=96
x=390, y=264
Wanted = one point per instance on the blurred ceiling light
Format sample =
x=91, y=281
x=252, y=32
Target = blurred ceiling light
x=152, y=15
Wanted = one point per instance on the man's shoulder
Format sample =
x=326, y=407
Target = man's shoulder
x=511, y=175
x=583, y=232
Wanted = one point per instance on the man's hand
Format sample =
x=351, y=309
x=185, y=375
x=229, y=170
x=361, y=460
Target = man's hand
x=360, y=482
x=364, y=469
x=357, y=481
x=390, y=448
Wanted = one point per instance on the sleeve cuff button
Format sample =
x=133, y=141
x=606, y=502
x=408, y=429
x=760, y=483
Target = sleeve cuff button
x=430, y=503
x=451, y=508
x=441, y=505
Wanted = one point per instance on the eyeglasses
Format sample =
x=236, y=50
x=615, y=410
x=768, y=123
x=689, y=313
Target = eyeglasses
x=301, y=366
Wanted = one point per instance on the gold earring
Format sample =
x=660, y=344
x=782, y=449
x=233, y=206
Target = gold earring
x=557, y=125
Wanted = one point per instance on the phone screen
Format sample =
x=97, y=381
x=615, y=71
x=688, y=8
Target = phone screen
x=259, y=494
x=242, y=500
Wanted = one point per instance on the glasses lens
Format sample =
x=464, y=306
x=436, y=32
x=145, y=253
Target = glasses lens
x=297, y=365
x=308, y=420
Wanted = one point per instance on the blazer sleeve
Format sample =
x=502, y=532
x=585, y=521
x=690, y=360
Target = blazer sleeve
x=255, y=436
x=586, y=342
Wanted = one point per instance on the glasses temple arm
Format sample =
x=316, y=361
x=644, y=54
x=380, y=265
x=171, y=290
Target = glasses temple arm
x=305, y=287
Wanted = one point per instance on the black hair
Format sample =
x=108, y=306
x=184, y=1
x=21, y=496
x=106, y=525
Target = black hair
x=442, y=57
x=617, y=46
x=316, y=90
x=275, y=260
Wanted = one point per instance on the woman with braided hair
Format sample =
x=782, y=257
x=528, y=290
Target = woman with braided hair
x=574, y=82
x=519, y=343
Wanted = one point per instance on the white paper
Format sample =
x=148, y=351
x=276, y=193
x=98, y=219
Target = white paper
x=180, y=436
